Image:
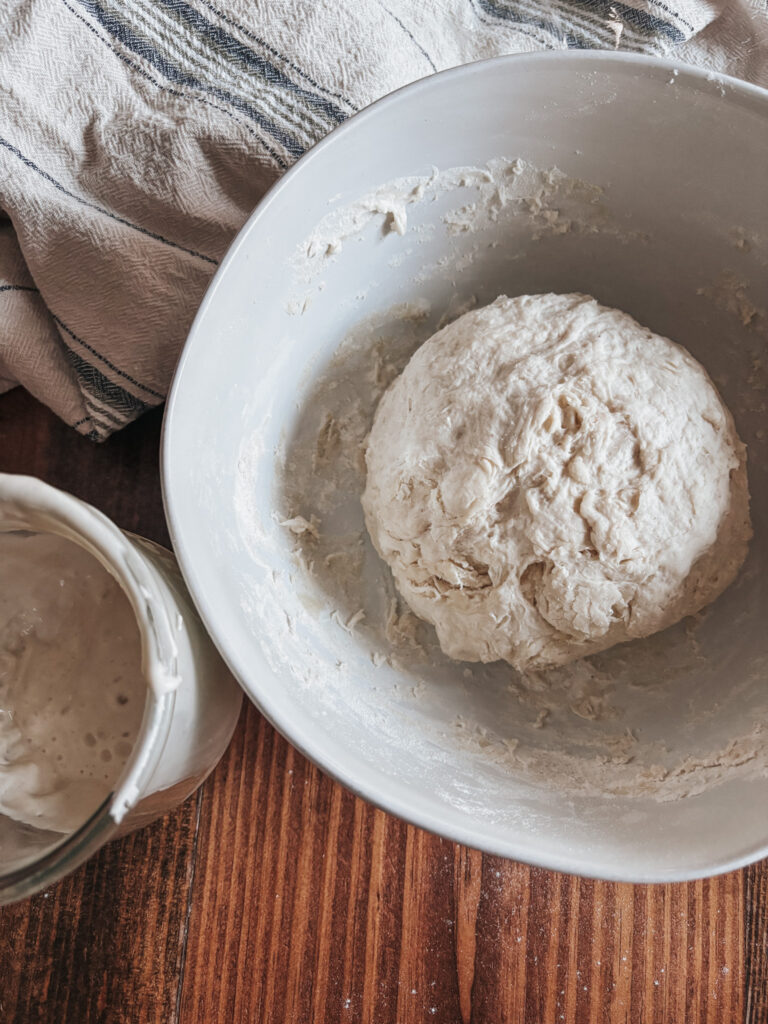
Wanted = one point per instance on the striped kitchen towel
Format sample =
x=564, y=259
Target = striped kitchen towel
x=137, y=135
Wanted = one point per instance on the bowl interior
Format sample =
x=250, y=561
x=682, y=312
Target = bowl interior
x=635, y=181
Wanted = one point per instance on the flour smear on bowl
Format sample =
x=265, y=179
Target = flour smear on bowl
x=639, y=719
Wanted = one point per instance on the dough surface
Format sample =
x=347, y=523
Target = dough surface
x=547, y=478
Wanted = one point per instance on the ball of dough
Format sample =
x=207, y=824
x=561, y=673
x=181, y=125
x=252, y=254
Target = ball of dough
x=547, y=478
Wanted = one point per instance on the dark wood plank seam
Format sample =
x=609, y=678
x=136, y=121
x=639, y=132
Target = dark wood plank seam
x=749, y=943
x=755, y=968
x=188, y=911
x=476, y=965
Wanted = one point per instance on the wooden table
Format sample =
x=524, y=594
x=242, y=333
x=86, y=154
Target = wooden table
x=275, y=895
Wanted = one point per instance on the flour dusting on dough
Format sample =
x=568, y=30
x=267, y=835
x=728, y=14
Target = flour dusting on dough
x=547, y=478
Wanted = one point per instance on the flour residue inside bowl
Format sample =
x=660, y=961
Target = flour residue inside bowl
x=641, y=719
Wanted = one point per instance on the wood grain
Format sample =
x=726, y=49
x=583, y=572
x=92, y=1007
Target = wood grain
x=274, y=895
x=756, y=943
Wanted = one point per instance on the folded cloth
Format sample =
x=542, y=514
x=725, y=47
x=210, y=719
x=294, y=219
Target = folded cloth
x=137, y=135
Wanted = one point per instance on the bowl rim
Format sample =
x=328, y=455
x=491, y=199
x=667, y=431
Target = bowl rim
x=368, y=785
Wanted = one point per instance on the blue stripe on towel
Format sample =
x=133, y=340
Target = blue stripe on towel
x=102, y=426
x=94, y=382
x=276, y=53
x=140, y=70
x=105, y=414
x=410, y=35
x=143, y=48
x=642, y=21
x=121, y=373
x=601, y=11
x=517, y=16
x=675, y=14
x=100, y=209
x=253, y=61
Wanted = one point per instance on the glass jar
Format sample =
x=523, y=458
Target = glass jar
x=192, y=702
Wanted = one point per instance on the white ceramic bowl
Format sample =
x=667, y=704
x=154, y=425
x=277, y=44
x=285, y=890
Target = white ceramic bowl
x=660, y=211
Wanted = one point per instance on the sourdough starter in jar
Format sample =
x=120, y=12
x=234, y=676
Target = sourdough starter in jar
x=72, y=692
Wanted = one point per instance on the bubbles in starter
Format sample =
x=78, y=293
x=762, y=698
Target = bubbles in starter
x=71, y=687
